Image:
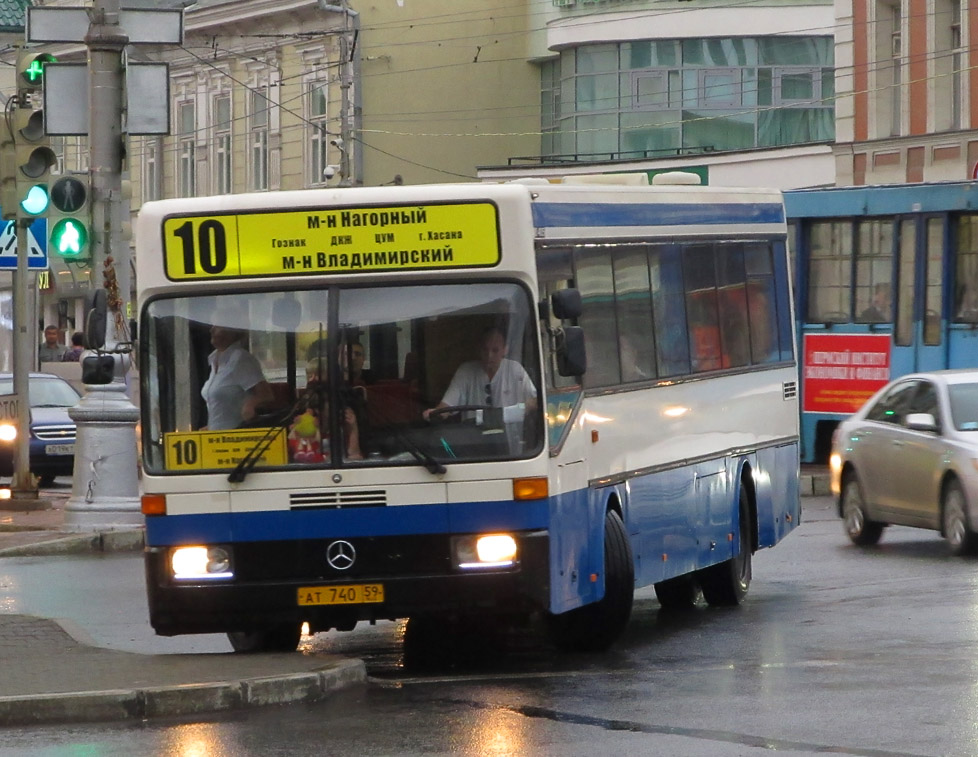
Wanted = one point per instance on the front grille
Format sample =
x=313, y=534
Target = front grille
x=305, y=560
x=341, y=498
x=64, y=433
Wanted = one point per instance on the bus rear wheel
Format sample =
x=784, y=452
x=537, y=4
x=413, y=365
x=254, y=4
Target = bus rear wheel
x=594, y=627
x=280, y=638
x=726, y=584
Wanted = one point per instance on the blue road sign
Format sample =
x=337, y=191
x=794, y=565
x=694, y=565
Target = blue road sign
x=37, y=256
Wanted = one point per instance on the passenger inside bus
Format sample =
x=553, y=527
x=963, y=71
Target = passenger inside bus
x=308, y=437
x=236, y=386
x=880, y=309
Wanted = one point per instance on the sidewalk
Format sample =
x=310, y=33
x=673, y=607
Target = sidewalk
x=50, y=672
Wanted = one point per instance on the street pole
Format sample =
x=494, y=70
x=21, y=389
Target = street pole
x=23, y=489
x=105, y=486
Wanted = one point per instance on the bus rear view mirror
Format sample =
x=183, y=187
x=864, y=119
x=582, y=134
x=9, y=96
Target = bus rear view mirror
x=566, y=303
x=571, y=355
x=98, y=369
x=286, y=313
x=96, y=309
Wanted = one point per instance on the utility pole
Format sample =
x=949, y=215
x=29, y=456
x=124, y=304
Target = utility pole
x=105, y=486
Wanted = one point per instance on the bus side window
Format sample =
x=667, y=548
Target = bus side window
x=699, y=274
x=669, y=311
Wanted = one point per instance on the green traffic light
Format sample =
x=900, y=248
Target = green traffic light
x=69, y=237
x=36, y=201
x=34, y=72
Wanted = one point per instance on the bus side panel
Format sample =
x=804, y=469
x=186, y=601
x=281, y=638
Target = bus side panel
x=962, y=347
x=776, y=490
x=571, y=540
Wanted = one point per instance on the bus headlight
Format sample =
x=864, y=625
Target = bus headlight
x=485, y=551
x=200, y=563
x=8, y=432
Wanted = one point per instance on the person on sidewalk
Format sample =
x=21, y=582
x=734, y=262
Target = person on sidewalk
x=50, y=351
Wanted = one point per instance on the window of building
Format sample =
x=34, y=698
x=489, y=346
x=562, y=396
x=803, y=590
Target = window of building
x=549, y=107
x=151, y=180
x=186, y=146
x=258, y=125
x=317, y=116
x=646, y=98
x=222, y=144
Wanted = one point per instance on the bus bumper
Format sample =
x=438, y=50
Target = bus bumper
x=259, y=601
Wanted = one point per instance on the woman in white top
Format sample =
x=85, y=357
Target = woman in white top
x=236, y=386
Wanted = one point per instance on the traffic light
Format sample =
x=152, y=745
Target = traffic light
x=33, y=157
x=69, y=219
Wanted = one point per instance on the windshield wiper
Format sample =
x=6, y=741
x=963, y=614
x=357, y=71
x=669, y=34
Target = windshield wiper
x=250, y=460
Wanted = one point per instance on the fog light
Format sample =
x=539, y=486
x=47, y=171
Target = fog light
x=488, y=551
x=199, y=563
x=8, y=432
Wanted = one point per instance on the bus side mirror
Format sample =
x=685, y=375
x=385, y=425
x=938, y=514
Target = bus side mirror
x=98, y=369
x=566, y=303
x=571, y=355
x=96, y=310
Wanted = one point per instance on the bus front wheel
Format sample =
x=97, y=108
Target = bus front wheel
x=281, y=638
x=594, y=627
x=726, y=584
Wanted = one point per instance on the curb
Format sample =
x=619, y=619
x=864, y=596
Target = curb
x=127, y=540
x=190, y=699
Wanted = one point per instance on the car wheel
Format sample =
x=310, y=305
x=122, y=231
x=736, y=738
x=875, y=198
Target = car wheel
x=954, y=519
x=281, y=638
x=860, y=529
x=726, y=584
x=46, y=479
x=594, y=627
x=679, y=593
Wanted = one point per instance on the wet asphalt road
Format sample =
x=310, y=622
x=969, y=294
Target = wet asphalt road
x=837, y=650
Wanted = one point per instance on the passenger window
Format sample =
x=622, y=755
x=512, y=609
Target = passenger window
x=925, y=401
x=893, y=406
x=830, y=272
x=699, y=274
x=596, y=283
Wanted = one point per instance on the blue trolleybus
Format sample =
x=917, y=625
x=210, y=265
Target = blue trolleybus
x=886, y=283
x=473, y=401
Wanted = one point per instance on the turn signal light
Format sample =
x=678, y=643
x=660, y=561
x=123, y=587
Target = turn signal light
x=154, y=504
x=530, y=488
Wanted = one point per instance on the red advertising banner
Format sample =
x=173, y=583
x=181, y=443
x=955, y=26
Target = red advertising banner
x=841, y=371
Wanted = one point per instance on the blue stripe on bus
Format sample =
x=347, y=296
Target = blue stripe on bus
x=280, y=525
x=570, y=214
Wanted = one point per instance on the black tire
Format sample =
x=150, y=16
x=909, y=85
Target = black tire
x=954, y=521
x=281, y=638
x=679, y=593
x=594, y=627
x=46, y=479
x=726, y=584
x=860, y=528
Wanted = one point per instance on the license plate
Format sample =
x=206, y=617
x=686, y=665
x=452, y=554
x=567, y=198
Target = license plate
x=59, y=449
x=350, y=594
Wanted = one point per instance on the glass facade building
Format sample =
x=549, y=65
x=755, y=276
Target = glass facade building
x=655, y=98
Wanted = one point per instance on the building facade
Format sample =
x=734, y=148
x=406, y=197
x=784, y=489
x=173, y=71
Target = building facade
x=908, y=91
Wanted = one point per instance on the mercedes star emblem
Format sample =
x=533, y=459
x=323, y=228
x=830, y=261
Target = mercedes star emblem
x=341, y=555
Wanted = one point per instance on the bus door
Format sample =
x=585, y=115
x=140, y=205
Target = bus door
x=919, y=333
x=962, y=333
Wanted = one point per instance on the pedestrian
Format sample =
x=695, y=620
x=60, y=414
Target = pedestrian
x=51, y=351
x=73, y=355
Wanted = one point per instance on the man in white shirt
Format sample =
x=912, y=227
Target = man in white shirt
x=492, y=381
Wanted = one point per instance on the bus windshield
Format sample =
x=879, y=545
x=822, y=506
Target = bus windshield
x=333, y=377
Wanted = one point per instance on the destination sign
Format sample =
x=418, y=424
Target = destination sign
x=206, y=450
x=339, y=240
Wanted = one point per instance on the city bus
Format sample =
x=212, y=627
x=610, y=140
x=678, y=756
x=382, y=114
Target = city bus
x=886, y=281
x=655, y=442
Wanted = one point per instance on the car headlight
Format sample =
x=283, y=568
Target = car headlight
x=8, y=432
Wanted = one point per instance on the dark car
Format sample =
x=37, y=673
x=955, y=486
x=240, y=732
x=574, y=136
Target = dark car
x=52, y=440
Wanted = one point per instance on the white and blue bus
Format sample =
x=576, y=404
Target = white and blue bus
x=656, y=442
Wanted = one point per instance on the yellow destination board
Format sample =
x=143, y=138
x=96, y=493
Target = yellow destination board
x=207, y=450
x=336, y=240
